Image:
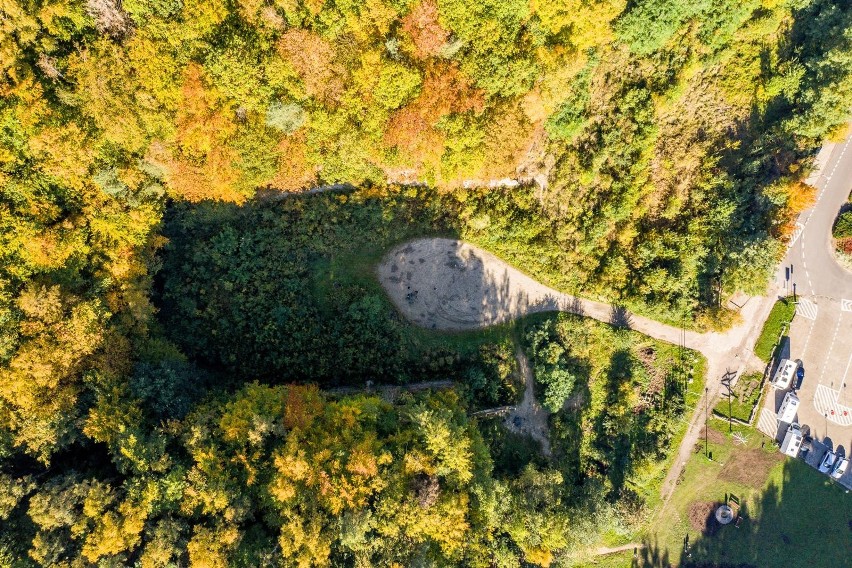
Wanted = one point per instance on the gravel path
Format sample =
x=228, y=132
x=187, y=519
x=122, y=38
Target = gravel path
x=529, y=417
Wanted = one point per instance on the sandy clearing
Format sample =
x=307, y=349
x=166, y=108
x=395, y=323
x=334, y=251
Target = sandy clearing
x=451, y=285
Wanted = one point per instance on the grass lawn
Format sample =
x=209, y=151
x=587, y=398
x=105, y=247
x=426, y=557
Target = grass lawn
x=792, y=515
x=745, y=397
x=781, y=315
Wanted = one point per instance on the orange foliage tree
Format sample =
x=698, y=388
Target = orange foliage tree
x=200, y=164
x=313, y=58
x=426, y=33
x=412, y=128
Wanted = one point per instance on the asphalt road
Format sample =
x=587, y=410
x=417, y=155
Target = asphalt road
x=821, y=333
x=810, y=265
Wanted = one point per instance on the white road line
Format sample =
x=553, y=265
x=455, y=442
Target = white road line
x=808, y=339
x=828, y=179
x=830, y=348
x=796, y=234
x=767, y=422
x=807, y=309
x=846, y=372
x=825, y=401
x=846, y=305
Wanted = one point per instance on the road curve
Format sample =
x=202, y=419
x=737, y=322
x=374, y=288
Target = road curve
x=815, y=271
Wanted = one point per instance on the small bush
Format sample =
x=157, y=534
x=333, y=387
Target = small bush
x=843, y=225
x=287, y=118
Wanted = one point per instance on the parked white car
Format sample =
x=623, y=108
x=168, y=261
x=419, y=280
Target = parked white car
x=787, y=412
x=840, y=468
x=827, y=462
x=784, y=374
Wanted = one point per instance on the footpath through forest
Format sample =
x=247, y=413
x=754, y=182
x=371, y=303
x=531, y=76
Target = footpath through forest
x=451, y=285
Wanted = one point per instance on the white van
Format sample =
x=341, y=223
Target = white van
x=787, y=412
x=785, y=373
x=792, y=441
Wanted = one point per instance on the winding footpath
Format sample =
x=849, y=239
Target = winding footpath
x=451, y=285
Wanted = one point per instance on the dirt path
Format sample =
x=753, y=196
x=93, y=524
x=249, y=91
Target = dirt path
x=451, y=285
x=529, y=417
x=612, y=550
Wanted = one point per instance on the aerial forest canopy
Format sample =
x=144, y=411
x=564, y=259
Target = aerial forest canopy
x=174, y=314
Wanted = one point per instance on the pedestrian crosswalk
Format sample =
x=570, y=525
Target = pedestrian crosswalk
x=825, y=401
x=796, y=234
x=806, y=309
x=767, y=423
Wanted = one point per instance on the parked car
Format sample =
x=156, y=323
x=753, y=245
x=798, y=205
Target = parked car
x=840, y=468
x=784, y=374
x=800, y=375
x=827, y=462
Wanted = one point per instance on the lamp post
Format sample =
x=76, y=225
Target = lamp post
x=726, y=381
x=706, y=433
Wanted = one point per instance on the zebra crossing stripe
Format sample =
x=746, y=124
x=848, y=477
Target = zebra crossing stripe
x=767, y=422
x=846, y=305
x=825, y=401
x=807, y=309
x=796, y=234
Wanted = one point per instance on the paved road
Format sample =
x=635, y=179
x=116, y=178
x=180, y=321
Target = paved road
x=814, y=271
x=821, y=334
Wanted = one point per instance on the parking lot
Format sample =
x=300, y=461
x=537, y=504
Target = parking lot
x=821, y=336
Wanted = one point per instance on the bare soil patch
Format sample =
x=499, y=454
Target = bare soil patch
x=749, y=467
x=452, y=285
x=701, y=516
x=714, y=436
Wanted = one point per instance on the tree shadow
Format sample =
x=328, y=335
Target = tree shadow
x=803, y=518
x=615, y=431
x=620, y=317
x=283, y=290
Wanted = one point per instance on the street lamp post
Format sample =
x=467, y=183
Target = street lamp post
x=706, y=433
x=726, y=381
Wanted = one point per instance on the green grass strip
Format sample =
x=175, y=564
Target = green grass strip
x=781, y=315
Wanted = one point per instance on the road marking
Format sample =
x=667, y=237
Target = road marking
x=846, y=305
x=806, y=308
x=825, y=401
x=828, y=179
x=808, y=339
x=768, y=422
x=830, y=347
x=846, y=372
x=796, y=234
